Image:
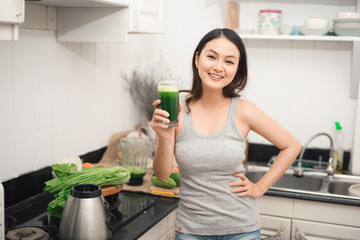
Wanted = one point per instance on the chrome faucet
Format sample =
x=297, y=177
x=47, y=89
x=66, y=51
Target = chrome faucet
x=299, y=171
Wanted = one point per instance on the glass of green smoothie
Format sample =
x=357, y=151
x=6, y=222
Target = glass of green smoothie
x=136, y=153
x=168, y=92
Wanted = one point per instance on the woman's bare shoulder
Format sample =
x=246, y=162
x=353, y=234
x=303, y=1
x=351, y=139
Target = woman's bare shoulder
x=247, y=110
x=244, y=105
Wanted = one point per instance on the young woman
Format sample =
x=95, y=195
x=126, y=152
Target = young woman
x=217, y=201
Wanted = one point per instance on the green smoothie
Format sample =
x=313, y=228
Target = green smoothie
x=137, y=172
x=169, y=96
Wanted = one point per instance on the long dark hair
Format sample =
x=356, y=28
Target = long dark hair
x=240, y=79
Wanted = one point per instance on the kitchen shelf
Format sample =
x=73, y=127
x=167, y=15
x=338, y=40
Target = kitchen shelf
x=81, y=3
x=300, y=37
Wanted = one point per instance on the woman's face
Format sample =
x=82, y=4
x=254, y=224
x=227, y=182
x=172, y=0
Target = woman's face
x=217, y=63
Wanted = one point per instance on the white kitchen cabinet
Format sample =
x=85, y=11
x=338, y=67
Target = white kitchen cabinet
x=275, y=214
x=163, y=230
x=321, y=231
x=85, y=24
x=276, y=206
x=82, y=3
x=105, y=20
x=146, y=16
x=327, y=212
x=90, y=20
x=271, y=226
x=11, y=14
x=317, y=220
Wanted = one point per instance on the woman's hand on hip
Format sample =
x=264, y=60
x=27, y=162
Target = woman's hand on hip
x=244, y=187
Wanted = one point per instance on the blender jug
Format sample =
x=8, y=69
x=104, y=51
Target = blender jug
x=136, y=153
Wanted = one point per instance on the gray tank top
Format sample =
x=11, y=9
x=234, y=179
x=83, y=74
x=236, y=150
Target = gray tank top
x=206, y=164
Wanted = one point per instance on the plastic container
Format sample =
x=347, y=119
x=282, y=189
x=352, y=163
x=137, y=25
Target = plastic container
x=136, y=153
x=269, y=22
x=339, y=139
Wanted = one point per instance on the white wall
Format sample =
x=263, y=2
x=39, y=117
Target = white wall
x=59, y=99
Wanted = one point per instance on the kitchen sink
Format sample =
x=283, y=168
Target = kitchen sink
x=288, y=180
x=341, y=186
x=313, y=182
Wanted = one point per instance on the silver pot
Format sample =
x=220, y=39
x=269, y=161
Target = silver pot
x=85, y=216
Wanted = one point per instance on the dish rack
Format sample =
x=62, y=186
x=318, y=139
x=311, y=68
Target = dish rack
x=309, y=165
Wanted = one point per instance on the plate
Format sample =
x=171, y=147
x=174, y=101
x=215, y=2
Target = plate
x=347, y=32
x=244, y=31
x=314, y=31
x=347, y=25
x=346, y=20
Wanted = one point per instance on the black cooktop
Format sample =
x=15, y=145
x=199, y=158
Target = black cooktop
x=29, y=219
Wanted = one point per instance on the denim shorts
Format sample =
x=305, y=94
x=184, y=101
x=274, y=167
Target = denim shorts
x=255, y=235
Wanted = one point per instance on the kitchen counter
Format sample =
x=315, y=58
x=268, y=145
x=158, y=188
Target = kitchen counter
x=160, y=209
x=314, y=197
x=32, y=211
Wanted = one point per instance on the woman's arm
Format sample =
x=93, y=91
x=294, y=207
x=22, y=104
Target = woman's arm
x=289, y=146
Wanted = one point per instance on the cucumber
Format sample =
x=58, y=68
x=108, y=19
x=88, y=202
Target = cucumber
x=176, y=177
x=168, y=183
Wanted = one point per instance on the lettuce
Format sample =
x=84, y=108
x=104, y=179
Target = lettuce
x=65, y=169
x=60, y=187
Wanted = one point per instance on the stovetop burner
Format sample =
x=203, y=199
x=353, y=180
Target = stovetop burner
x=22, y=222
x=27, y=233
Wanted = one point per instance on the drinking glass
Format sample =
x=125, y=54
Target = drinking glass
x=168, y=92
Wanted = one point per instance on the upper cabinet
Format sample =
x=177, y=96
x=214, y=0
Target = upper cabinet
x=146, y=16
x=11, y=14
x=82, y=3
x=101, y=20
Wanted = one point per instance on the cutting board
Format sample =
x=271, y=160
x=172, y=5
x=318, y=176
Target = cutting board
x=233, y=15
x=148, y=187
x=110, y=190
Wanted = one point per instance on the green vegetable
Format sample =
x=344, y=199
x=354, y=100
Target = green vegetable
x=176, y=177
x=168, y=183
x=65, y=169
x=61, y=187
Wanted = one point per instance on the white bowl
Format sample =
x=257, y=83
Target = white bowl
x=354, y=190
x=348, y=15
x=317, y=23
x=286, y=29
x=346, y=20
x=268, y=31
x=244, y=31
x=314, y=31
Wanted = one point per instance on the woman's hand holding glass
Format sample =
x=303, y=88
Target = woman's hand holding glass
x=160, y=120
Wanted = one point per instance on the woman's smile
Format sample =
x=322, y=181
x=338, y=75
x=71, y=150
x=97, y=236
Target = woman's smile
x=216, y=77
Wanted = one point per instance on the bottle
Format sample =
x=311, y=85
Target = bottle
x=339, y=144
